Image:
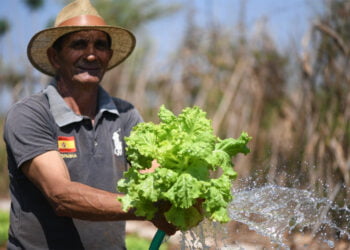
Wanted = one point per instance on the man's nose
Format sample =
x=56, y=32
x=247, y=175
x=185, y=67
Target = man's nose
x=91, y=57
x=90, y=53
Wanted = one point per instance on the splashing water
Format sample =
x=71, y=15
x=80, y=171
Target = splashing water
x=273, y=212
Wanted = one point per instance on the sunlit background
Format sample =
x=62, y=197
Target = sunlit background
x=161, y=26
x=275, y=69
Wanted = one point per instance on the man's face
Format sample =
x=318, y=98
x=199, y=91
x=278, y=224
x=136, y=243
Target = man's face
x=83, y=56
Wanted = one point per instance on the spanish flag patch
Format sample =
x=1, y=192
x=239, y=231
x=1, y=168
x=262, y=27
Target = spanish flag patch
x=66, y=144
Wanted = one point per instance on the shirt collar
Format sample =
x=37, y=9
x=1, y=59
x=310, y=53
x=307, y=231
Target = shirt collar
x=64, y=115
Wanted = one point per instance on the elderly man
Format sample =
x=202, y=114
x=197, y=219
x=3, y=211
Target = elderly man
x=65, y=145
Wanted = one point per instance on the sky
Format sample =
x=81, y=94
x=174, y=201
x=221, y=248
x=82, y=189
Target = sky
x=285, y=20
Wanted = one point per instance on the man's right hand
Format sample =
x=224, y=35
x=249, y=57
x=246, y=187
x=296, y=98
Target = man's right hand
x=160, y=221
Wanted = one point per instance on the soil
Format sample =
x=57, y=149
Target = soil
x=238, y=236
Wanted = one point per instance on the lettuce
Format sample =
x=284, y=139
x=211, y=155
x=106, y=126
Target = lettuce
x=189, y=155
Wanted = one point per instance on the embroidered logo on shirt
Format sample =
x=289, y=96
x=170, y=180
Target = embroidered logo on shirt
x=66, y=144
x=118, y=147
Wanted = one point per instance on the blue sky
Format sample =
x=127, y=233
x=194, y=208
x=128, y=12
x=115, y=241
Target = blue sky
x=286, y=19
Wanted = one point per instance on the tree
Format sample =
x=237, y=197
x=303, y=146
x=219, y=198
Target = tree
x=327, y=94
x=131, y=14
x=4, y=27
x=34, y=4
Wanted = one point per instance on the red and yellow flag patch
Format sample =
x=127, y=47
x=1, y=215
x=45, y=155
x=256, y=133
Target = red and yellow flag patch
x=66, y=144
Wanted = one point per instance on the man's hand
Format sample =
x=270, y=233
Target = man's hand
x=155, y=165
x=160, y=221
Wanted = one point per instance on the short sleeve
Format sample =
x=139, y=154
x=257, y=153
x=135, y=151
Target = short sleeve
x=29, y=130
x=133, y=119
x=128, y=114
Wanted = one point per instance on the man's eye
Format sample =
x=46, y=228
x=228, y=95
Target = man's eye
x=102, y=45
x=81, y=44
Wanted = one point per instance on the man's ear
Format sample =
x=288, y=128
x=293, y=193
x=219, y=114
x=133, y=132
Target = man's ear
x=53, y=57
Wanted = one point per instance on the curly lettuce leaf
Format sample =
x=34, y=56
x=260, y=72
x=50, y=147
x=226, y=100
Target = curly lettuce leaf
x=188, y=152
x=185, y=217
x=184, y=192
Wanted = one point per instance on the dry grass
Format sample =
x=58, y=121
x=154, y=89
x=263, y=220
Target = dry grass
x=296, y=108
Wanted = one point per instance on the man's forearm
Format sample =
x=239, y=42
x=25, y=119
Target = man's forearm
x=49, y=173
x=84, y=202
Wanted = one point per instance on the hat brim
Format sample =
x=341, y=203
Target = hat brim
x=123, y=43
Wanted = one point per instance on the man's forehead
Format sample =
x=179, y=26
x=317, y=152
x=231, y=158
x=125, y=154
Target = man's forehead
x=87, y=34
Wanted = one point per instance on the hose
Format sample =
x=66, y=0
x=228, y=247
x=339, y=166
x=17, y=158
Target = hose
x=157, y=240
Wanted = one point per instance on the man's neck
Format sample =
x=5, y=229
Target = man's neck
x=81, y=98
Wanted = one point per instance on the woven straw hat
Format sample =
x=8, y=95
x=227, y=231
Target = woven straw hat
x=78, y=15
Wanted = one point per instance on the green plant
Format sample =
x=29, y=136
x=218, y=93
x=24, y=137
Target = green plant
x=4, y=176
x=134, y=242
x=4, y=226
x=189, y=155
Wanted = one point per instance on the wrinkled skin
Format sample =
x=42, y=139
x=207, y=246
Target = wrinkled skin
x=83, y=57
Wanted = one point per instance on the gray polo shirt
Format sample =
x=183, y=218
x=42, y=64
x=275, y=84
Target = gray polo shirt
x=94, y=154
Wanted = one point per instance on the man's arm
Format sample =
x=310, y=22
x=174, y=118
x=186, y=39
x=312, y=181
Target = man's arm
x=50, y=174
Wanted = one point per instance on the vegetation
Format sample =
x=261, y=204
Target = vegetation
x=4, y=225
x=131, y=14
x=296, y=107
x=34, y=4
x=4, y=179
x=188, y=153
x=132, y=241
x=4, y=26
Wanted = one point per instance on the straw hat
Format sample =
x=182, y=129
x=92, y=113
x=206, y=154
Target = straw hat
x=77, y=16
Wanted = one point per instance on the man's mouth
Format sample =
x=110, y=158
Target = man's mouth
x=88, y=68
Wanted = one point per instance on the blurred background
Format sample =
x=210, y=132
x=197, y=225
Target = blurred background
x=275, y=69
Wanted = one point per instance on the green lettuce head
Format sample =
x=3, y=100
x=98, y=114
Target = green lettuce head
x=188, y=153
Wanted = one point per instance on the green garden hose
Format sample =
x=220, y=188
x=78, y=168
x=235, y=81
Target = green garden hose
x=157, y=240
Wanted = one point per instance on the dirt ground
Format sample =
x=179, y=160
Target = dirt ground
x=238, y=236
x=233, y=235
x=244, y=239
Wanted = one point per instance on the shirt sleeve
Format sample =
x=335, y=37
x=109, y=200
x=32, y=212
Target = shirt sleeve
x=28, y=131
x=134, y=118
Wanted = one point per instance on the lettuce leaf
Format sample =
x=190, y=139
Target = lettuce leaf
x=189, y=154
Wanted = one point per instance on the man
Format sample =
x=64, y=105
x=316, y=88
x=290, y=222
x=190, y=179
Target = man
x=65, y=145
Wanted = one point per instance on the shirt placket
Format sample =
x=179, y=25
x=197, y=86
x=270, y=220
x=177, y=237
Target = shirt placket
x=95, y=133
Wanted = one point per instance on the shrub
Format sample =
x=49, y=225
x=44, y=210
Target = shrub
x=4, y=226
x=135, y=242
